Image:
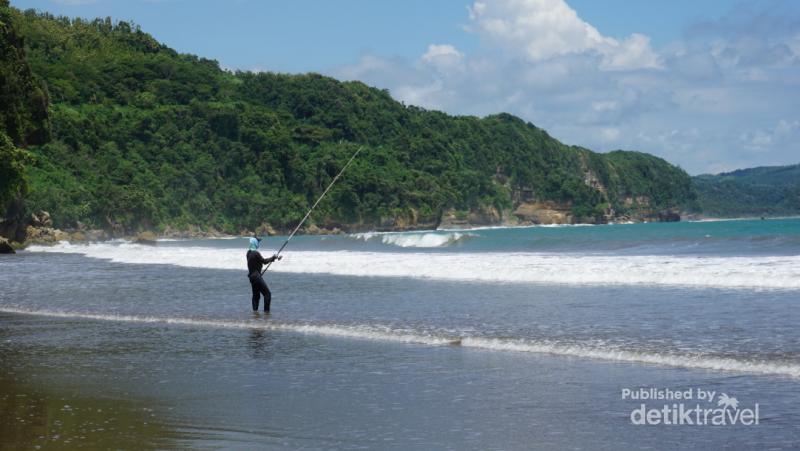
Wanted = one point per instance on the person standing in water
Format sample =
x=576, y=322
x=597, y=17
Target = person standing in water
x=257, y=283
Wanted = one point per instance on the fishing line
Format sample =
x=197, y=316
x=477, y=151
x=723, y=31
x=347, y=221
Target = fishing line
x=314, y=206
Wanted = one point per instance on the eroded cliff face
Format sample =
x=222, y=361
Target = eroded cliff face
x=482, y=217
x=529, y=208
x=545, y=213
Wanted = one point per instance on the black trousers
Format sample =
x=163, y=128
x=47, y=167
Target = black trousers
x=260, y=288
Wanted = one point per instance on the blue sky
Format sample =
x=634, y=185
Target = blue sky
x=711, y=85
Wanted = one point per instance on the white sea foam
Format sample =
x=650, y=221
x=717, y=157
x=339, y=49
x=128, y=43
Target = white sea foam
x=754, y=272
x=491, y=227
x=415, y=239
x=362, y=332
x=551, y=226
x=527, y=226
x=224, y=237
x=699, y=361
x=388, y=334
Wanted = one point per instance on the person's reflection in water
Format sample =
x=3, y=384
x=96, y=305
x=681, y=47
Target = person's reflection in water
x=260, y=342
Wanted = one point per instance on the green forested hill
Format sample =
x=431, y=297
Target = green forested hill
x=762, y=191
x=145, y=137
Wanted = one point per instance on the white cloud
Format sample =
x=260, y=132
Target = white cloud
x=540, y=28
x=610, y=134
x=74, y=2
x=605, y=105
x=697, y=65
x=794, y=44
x=632, y=53
x=784, y=133
x=366, y=65
x=420, y=95
x=786, y=128
x=723, y=98
x=443, y=57
x=543, y=29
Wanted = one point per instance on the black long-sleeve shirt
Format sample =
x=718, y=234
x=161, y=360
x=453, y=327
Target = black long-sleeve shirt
x=255, y=261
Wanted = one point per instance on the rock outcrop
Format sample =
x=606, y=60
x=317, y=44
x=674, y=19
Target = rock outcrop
x=481, y=217
x=669, y=216
x=148, y=238
x=5, y=247
x=543, y=213
x=265, y=229
x=49, y=235
x=40, y=220
x=45, y=235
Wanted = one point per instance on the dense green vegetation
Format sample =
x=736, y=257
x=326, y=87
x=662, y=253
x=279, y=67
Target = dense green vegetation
x=145, y=137
x=12, y=165
x=23, y=110
x=763, y=191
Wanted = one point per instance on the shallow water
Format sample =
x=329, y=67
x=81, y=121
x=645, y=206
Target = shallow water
x=407, y=346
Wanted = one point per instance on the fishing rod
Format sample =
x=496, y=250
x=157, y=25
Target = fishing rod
x=313, y=207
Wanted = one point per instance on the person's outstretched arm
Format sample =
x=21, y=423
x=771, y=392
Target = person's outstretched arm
x=264, y=261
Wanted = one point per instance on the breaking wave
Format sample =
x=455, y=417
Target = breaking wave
x=388, y=334
x=751, y=272
x=411, y=239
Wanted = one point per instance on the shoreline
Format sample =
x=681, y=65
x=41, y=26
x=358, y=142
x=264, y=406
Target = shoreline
x=56, y=236
x=742, y=218
x=53, y=236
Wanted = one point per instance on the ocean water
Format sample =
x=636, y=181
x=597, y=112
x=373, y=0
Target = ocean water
x=490, y=338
